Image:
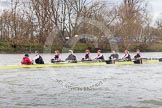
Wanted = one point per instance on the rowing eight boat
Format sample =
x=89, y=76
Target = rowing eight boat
x=65, y=64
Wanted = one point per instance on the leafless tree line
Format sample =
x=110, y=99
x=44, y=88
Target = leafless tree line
x=32, y=21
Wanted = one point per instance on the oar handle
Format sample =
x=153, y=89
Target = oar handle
x=151, y=58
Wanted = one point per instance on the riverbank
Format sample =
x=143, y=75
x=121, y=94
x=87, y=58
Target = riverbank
x=79, y=47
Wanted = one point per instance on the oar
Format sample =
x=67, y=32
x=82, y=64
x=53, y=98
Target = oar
x=160, y=59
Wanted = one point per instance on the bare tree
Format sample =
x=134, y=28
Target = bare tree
x=131, y=20
x=35, y=20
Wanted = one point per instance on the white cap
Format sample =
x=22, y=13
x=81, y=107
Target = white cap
x=71, y=51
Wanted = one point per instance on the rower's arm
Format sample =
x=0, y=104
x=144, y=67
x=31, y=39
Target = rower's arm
x=125, y=56
x=99, y=56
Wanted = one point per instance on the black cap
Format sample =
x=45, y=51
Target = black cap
x=27, y=55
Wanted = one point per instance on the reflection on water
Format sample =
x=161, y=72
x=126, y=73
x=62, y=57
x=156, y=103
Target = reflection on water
x=130, y=86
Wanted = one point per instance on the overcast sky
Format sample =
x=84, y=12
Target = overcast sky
x=155, y=6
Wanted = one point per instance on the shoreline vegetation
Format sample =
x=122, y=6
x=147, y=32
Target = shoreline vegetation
x=26, y=26
x=6, y=47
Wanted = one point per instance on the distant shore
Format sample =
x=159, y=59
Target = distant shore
x=79, y=48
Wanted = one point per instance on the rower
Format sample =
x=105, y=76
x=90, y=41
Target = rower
x=100, y=56
x=126, y=56
x=87, y=56
x=26, y=60
x=71, y=58
x=56, y=57
x=137, y=57
x=38, y=59
x=112, y=58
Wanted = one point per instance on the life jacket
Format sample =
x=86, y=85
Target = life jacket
x=26, y=61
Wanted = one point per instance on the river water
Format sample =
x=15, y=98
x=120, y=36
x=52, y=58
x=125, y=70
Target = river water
x=128, y=86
